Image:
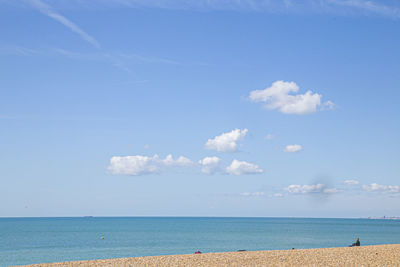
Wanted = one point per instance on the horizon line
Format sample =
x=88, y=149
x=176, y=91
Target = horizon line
x=178, y=216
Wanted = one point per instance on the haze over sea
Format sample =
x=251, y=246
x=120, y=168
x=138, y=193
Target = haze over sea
x=39, y=240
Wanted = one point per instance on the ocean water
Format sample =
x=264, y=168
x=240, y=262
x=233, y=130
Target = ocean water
x=39, y=240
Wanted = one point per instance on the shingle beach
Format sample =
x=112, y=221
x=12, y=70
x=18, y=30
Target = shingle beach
x=381, y=255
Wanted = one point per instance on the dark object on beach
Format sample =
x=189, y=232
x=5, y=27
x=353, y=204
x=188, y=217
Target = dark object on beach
x=241, y=250
x=292, y=248
x=357, y=244
x=198, y=252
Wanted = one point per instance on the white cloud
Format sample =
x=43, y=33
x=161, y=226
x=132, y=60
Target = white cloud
x=243, y=167
x=310, y=189
x=134, y=165
x=48, y=11
x=330, y=191
x=277, y=195
x=293, y=148
x=180, y=162
x=141, y=165
x=226, y=142
x=278, y=97
x=352, y=182
x=210, y=165
x=374, y=187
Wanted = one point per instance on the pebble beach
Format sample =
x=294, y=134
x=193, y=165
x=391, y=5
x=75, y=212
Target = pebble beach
x=379, y=255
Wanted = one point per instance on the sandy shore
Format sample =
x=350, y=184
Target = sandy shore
x=382, y=255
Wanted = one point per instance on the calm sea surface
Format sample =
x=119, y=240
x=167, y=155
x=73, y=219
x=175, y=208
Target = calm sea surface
x=38, y=240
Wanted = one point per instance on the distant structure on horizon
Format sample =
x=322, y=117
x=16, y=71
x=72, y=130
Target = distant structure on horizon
x=384, y=218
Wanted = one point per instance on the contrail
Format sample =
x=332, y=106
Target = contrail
x=48, y=11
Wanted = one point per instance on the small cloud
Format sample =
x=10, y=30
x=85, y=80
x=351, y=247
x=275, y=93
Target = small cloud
x=226, y=142
x=260, y=194
x=146, y=146
x=269, y=137
x=210, y=165
x=351, y=182
x=141, y=165
x=328, y=105
x=253, y=194
x=180, y=162
x=310, y=189
x=243, y=167
x=293, y=148
x=330, y=191
x=387, y=189
x=279, y=97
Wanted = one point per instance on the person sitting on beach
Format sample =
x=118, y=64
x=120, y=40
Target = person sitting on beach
x=357, y=244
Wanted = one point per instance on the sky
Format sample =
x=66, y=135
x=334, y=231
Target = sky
x=199, y=108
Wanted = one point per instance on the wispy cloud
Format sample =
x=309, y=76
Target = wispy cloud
x=17, y=50
x=384, y=8
x=49, y=11
x=377, y=7
x=77, y=55
x=118, y=60
x=252, y=194
x=373, y=188
x=386, y=189
x=261, y=194
x=310, y=189
x=325, y=190
x=351, y=182
x=115, y=57
x=251, y=5
x=31, y=117
x=147, y=59
x=370, y=6
x=269, y=136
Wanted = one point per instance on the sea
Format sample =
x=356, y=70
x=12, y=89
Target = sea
x=41, y=240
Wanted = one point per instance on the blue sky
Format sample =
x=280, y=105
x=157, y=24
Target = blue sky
x=199, y=108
